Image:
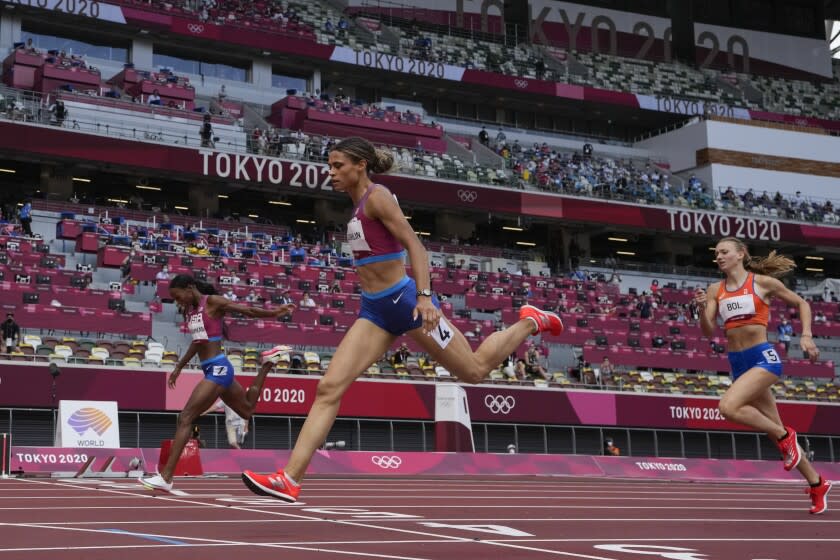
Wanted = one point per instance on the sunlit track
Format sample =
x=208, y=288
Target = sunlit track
x=395, y=519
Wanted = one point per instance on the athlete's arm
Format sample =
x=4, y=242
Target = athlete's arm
x=185, y=359
x=773, y=287
x=707, y=300
x=219, y=305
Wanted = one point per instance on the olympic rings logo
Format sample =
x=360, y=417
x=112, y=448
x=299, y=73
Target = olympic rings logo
x=467, y=196
x=521, y=84
x=386, y=461
x=499, y=403
x=195, y=28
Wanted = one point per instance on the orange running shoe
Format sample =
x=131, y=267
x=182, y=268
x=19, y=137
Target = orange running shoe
x=789, y=447
x=819, y=496
x=545, y=321
x=277, y=485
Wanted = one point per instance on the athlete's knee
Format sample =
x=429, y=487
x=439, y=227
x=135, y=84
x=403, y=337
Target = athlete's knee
x=472, y=373
x=329, y=391
x=187, y=418
x=727, y=408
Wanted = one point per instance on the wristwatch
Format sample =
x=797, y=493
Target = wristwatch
x=427, y=293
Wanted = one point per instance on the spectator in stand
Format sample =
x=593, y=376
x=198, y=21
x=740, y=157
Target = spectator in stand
x=645, y=308
x=230, y=295
x=532, y=359
x=154, y=98
x=520, y=370
x=25, y=215
x=336, y=287
x=501, y=138
x=285, y=299
x=59, y=113
x=508, y=367
x=10, y=333
x=252, y=297
x=484, y=137
x=328, y=26
x=163, y=274
x=785, y=331
x=605, y=371
x=401, y=355
x=307, y=301
x=206, y=133
x=539, y=68
x=610, y=448
x=820, y=317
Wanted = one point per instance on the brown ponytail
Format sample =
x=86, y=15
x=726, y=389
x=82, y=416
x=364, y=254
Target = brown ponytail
x=774, y=265
x=384, y=161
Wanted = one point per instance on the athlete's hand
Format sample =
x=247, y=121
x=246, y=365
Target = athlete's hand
x=700, y=296
x=173, y=377
x=427, y=311
x=806, y=342
x=285, y=309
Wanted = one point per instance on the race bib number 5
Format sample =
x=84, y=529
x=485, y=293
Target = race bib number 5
x=771, y=356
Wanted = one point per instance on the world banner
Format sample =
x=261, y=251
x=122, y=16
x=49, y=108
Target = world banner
x=293, y=395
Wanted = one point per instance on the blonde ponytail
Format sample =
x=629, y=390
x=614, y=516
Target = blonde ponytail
x=774, y=265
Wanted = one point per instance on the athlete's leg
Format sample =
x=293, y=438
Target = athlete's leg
x=458, y=357
x=204, y=394
x=766, y=404
x=245, y=402
x=736, y=404
x=363, y=344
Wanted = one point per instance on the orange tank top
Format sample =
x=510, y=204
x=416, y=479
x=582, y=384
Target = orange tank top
x=742, y=307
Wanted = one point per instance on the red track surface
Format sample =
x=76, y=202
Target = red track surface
x=412, y=519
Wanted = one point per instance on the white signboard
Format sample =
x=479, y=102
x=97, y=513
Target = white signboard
x=88, y=424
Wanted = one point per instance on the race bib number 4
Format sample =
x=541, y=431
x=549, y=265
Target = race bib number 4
x=442, y=334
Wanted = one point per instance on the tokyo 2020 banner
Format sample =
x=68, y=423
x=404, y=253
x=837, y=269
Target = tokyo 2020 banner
x=30, y=386
x=288, y=176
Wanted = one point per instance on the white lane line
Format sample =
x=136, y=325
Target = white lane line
x=390, y=506
x=674, y=539
x=435, y=519
x=446, y=538
x=205, y=541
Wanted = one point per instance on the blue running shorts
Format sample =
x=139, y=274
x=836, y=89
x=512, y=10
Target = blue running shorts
x=219, y=370
x=392, y=308
x=761, y=355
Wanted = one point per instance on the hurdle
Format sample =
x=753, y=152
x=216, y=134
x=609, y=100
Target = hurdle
x=5, y=455
x=87, y=470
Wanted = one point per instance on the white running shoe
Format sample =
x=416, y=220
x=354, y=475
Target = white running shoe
x=276, y=354
x=156, y=482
